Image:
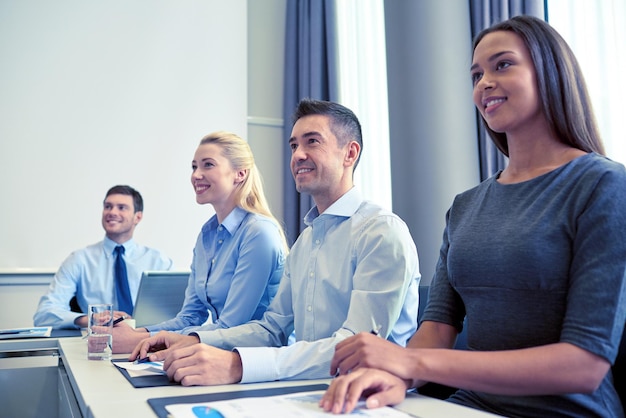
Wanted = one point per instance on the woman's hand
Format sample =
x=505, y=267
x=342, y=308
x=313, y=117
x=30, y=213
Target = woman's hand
x=367, y=350
x=379, y=387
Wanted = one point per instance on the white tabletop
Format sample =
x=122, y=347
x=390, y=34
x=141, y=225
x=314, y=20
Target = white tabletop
x=102, y=391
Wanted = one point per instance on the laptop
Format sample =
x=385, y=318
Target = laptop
x=160, y=297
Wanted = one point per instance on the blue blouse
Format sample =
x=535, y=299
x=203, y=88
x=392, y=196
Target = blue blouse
x=236, y=268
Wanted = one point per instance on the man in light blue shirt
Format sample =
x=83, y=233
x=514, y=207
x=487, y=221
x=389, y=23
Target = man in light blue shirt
x=87, y=274
x=354, y=269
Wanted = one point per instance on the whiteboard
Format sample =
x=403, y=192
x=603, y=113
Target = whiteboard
x=94, y=94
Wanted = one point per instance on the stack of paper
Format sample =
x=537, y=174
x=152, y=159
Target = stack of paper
x=25, y=332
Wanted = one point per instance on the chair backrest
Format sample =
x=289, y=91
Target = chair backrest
x=619, y=370
x=424, y=290
x=435, y=390
x=74, y=305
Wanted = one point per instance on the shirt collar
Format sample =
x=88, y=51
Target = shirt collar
x=234, y=219
x=345, y=206
x=109, y=245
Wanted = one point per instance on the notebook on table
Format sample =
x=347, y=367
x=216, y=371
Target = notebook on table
x=31, y=332
x=161, y=295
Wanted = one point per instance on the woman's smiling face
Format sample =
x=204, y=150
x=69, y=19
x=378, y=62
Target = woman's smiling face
x=213, y=178
x=505, y=83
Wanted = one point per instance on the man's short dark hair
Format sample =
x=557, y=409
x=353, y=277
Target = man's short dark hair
x=128, y=191
x=343, y=122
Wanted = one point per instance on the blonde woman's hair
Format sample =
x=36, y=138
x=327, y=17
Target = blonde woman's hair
x=249, y=194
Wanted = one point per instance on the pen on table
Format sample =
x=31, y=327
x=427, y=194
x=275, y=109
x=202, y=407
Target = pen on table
x=117, y=321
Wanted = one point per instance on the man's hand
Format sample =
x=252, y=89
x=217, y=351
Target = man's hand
x=161, y=345
x=202, y=364
x=121, y=314
x=81, y=321
x=379, y=387
x=125, y=338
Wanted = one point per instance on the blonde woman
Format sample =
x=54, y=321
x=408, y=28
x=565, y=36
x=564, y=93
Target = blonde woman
x=239, y=255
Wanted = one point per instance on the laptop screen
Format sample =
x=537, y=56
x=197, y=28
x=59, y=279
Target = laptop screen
x=160, y=297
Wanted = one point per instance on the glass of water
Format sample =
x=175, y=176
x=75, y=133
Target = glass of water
x=100, y=332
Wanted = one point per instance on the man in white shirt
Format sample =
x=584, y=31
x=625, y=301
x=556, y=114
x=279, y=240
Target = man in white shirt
x=354, y=269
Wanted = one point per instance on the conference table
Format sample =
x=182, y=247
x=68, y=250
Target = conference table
x=88, y=388
x=101, y=390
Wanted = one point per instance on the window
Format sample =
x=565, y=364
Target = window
x=596, y=32
x=363, y=88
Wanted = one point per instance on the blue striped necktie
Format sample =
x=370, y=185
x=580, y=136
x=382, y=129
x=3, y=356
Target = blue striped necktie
x=122, y=290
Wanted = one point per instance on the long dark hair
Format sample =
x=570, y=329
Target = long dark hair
x=561, y=85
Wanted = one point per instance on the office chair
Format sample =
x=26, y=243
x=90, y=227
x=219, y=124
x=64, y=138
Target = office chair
x=619, y=370
x=436, y=390
x=74, y=306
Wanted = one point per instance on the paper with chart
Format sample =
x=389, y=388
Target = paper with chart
x=148, y=368
x=302, y=405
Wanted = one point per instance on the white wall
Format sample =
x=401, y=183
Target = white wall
x=94, y=94
x=19, y=297
x=266, y=64
x=202, y=83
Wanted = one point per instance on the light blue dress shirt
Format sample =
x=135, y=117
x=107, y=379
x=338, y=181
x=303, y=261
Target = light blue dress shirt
x=237, y=266
x=88, y=274
x=353, y=269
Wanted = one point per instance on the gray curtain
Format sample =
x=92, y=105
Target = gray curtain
x=484, y=13
x=310, y=72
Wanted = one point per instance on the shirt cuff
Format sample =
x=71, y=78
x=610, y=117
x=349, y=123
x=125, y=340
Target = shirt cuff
x=258, y=364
